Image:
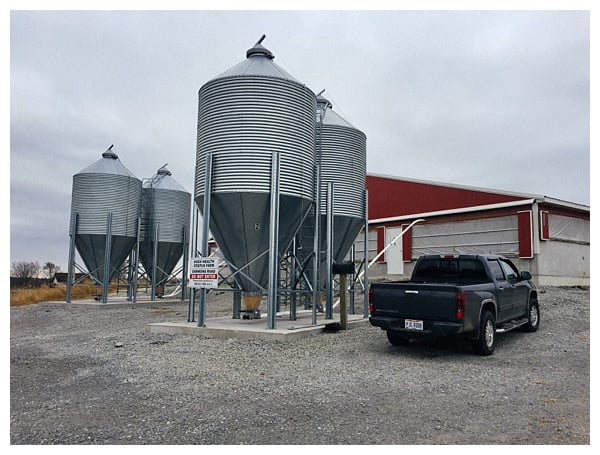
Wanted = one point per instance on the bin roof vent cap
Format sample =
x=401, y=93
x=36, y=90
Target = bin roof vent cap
x=110, y=154
x=260, y=50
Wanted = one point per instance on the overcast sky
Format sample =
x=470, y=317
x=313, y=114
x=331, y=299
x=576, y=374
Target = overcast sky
x=491, y=99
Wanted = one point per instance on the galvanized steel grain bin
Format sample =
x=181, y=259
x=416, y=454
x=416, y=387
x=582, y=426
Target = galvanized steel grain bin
x=166, y=218
x=244, y=115
x=342, y=152
x=103, y=188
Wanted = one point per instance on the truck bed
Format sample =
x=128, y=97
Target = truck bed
x=415, y=300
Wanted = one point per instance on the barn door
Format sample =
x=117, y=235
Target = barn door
x=395, y=264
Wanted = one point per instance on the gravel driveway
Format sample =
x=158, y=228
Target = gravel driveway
x=90, y=375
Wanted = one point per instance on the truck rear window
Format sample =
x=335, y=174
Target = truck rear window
x=443, y=270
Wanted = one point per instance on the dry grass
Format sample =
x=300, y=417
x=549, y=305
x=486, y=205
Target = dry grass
x=28, y=296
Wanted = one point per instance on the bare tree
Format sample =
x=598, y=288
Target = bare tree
x=24, y=271
x=50, y=269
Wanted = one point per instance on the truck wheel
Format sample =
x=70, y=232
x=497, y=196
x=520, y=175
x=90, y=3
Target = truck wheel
x=396, y=339
x=486, y=342
x=533, y=321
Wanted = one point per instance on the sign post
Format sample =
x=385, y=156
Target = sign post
x=203, y=273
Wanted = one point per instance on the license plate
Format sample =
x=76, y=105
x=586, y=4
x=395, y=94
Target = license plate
x=413, y=324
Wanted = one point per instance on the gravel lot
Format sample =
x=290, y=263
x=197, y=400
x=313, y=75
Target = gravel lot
x=90, y=375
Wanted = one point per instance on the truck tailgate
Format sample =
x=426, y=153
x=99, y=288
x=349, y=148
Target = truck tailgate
x=406, y=300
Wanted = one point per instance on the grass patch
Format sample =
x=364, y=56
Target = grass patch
x=29, y=296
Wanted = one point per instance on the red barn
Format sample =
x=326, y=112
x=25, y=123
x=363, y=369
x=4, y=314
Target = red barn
x=546, y=236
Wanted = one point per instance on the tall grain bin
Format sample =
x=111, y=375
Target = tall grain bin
x=165, y=221
x=343, y=150
x=105, y=202
x=342, y=154
x=244, y=115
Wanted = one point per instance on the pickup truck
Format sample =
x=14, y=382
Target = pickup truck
x=475, y=296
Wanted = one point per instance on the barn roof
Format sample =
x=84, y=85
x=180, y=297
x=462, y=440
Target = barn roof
x=395, y=198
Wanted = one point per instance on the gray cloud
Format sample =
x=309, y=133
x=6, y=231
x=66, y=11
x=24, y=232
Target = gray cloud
x=489, y=99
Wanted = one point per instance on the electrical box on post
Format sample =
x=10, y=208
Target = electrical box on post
x=343, y=268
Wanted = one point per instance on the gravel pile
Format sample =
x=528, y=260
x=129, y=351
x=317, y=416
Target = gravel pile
x=90, y=375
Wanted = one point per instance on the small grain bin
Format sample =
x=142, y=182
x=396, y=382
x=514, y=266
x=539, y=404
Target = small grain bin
x=105, y=208
x=165, y=220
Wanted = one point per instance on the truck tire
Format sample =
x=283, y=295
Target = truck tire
x=533, y=317
x=396, y=339
x=485, y=344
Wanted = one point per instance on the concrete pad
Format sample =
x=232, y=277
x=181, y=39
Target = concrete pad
x=245, y=329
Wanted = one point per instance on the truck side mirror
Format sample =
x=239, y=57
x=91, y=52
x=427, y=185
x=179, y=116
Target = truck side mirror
x=525, y=276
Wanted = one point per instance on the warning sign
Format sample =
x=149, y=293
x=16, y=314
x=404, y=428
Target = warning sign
x=203, y=273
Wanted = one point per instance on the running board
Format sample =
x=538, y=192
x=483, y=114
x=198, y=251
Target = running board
x=508, y=326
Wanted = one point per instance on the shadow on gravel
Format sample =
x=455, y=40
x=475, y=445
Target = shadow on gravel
x=448, y=347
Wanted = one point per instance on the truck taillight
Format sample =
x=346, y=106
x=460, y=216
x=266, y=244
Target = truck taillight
x=370, y=300
x=461, y=302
